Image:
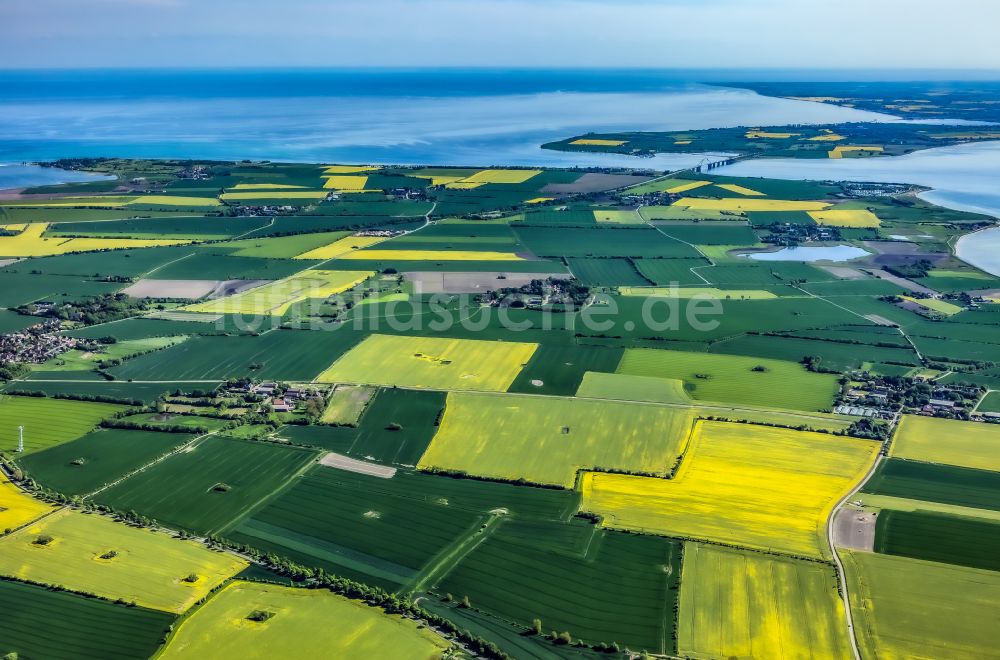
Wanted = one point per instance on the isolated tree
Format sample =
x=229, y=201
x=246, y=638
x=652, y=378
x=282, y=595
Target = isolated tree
x=536, y=626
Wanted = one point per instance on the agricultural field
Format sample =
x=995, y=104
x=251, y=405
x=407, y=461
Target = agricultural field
x=431, y=363
x=940, y=537
x=90, y=553
x=207, y=484
x=597, y=585
x=736, y=603
x=276, y=298
x=952, y=442
x=41, y=623
x=17, y=507
x=83, y=465
x=953, y=616
x=321, y=362
x=737, y=380
x=48, y=422
x=547, y=440
x=945, y=484
x=301, y=621
x=739, y=484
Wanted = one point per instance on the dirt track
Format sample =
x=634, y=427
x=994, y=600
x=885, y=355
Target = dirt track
x=342, y=462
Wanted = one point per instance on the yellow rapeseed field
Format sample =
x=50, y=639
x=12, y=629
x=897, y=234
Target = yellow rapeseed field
x=345, y=182
x=349, y=169
x=738, y=204
x=539, y=200
x=149, y=568
x=275, y=194
x=684, y=187
x=431, y=362
x=16, y=507
x=846, y=218
x=829, y=137
x=32, y=243
x=341, y=247
x=277, y=297
x=680, y=142
x=732, y=187
x=617, y=217
x=502, y=176
x=839, y=151
x=548, y=439
x=935, y=305
x=755, y=486
x=596, y=142
x=741, y=604
x=432, y=255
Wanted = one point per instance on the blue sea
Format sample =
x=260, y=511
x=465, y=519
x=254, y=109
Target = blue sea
x=457, y=117
x=473, y=117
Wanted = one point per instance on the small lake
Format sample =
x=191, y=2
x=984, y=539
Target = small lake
x=817, y=253
x=16, y=175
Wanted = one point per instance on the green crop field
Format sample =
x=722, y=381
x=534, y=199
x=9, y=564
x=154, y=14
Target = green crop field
x=990, y=403
x=735, y=603
x=141, y=566
x=596, y=385
x=933, y=440
x=606, y=272
x=207, y=485
x=559, y=369
x=597, y=585
x=946, y=484
x=731, y=379
x=350, y=524
x=905, y=608
x=396, y=428
x=939, y=537
x=565, y=395
x=285, y=354
x=98, y=458
x=48, y=422
x=548, y=440
x=39, y=623
x=303, y=620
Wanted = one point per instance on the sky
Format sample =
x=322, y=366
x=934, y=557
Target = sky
x=856, y=34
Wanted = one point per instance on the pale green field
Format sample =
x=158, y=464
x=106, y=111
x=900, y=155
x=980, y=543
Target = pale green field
x=617, y=217
x=305, y=623
x=149, y=568
x=346, y=404
x=599, y=385
x=276, y=298
x=870, y=501
x=431, y=363
x=919, y=610
x=732, y=379
x=933, y=440
x=547, y=440
x=76, y=360
x=736, y=603
x=48, y=422
x=696, y=292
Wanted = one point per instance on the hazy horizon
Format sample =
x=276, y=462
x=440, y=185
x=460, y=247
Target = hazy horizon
x=677, y=34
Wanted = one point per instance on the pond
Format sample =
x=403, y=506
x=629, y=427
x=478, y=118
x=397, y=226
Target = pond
x=816, y=253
